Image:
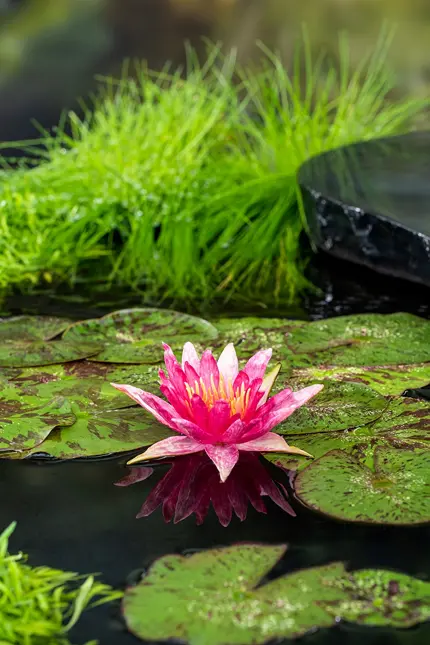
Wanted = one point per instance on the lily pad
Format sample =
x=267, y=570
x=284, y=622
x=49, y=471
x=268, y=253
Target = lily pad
x=396, y=491
x=383, y=598
x=22, y=354
x=216, y=597
x=338, y=407
x=28, y=328
x=25, y=424
x=135, y=335
x=252, y=334
x=362, y=340
x=402, y=424
x=211, y=597
x=103, y=432
x=385, y=380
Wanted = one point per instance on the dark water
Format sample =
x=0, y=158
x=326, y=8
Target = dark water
x=70, y=515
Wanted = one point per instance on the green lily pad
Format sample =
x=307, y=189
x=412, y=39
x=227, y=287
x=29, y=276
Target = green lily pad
x=215, y=597
x=385, y=380
x=396, y=491
x=135, y=335
x=103, y=432
x=383, y=598
x=402, y=424
x=362, y=340
x=249, y=335
x=210, y=598
x=28, y=328
x=22, y=354
x=338, y=407
x=26, y=423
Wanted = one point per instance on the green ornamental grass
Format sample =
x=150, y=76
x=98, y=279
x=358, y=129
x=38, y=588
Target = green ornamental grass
x=39, y=605
x=182, y=186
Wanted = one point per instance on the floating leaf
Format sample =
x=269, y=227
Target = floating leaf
x=252, y=334
x=216, y=597
x=210, y=598
x=135, y=335
x=25, y=422
x=31, y=354
x=402, y=424
x=338, y=407
x=396, y=491
x=27, y=328
x=103, y=432
x=383, y=598
x=385, y=380
x=362, y=340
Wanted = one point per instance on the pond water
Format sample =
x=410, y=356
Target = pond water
x=70, y=515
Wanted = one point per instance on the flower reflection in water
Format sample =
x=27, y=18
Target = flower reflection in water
x=193, y=483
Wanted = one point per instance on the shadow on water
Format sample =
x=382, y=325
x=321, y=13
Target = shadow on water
x=70, y=515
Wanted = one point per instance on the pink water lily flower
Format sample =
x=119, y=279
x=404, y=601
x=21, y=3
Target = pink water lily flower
x=218, y=409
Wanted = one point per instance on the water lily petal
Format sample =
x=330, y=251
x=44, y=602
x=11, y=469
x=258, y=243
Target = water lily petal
x=192, y=377
x=234, y=431
x=160, y=409
x=190, y=356
x=253, y=397
x=224, y=457
x=271, y=442
x=268, y=383
x=200, y=413
x=219, y=418
x=194, y=431
x=228, y=365
x=209, y=372
x=256, y=366
x=242, y=379
x=170, y=447
x=278, y=408
x=178, y=402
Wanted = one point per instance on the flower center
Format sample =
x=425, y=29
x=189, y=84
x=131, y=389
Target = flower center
x=238, y=399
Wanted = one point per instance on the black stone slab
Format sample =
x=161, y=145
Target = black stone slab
x=370, y=203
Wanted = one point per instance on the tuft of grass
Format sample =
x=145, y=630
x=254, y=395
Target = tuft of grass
x=39, y=605
x=184, y=187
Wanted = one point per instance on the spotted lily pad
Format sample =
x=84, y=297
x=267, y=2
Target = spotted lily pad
x=26, y=422
x=211, y=597
x=23, y=354
x=28, y=328
x=338, y=407
x=252, y=334
x=385, y=380
x=402, y=424
x=362, y=340
x=383, y=598
x=216, y=597
x=103, y=432
x=395, y=491
x=135, y=335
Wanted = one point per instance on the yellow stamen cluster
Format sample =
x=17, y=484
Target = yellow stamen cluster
x=238, y=399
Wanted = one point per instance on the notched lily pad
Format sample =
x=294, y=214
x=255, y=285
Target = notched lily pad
x=396, y=491
x=216, y=597
x=362, y=340
x=40, y=353
x=135, y=335
x=25, y=424
x=339, y=406
x=103, y=432
x=211, y=597
x=383, y=598
x=28, y=328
